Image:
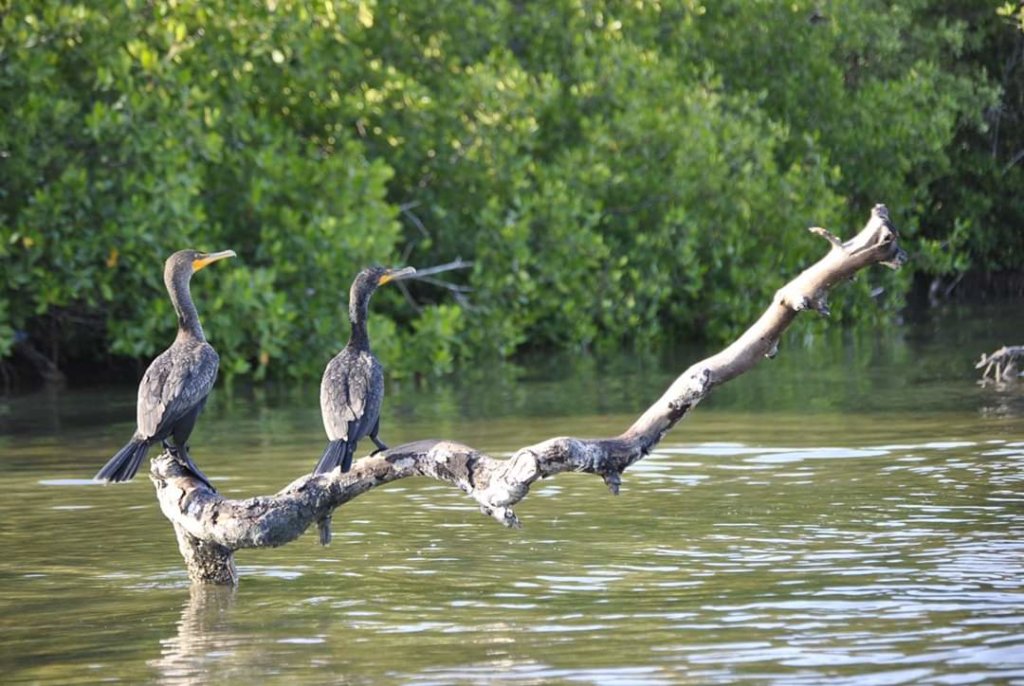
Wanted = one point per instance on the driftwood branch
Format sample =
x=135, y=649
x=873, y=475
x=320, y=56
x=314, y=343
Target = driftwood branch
x=1001, y=366
x=210, y=527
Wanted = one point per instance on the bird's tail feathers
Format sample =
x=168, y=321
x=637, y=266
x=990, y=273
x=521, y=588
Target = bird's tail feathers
x=337, y=452
x=125, y=463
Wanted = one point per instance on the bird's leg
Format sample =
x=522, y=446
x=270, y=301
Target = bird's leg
x=376, y=441
x=181, y=452
x=324, y=527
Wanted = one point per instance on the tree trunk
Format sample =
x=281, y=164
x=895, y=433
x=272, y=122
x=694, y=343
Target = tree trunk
x=210, y=527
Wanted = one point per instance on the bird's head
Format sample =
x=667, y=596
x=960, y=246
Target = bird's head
x=370, y=278
x=367, y=281
x=185, y=263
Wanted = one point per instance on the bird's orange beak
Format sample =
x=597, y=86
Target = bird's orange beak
x=394, y=274
x=209, y=258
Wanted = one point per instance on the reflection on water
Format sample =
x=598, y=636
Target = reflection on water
x=874, y=536
x=204, y=639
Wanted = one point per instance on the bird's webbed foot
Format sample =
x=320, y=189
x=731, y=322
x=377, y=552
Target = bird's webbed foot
x=380, y=445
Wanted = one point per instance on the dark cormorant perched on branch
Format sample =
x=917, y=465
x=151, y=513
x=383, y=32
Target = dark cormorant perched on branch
x=352, y=387
x=174, y=388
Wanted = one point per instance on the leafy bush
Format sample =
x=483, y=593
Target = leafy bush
x=619, y=173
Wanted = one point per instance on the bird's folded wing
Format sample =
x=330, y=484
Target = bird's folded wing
x=173, y=385
x=343, y=397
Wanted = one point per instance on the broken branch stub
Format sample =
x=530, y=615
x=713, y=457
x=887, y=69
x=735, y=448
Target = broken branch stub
x=210, y=527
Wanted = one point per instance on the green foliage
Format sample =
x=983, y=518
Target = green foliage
x=620, y=173
x=983, y=189
x=135, y=133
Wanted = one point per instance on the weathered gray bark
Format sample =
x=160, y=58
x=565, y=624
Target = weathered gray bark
x=210, y=527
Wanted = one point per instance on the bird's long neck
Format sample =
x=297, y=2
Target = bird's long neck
x=358, y=305
x=188, y=316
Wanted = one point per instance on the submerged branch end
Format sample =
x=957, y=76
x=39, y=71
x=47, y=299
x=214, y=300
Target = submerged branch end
x=1001, y=366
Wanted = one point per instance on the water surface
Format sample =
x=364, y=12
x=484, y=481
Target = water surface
x=852, y=512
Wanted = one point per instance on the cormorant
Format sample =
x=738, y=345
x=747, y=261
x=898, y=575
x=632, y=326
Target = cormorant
x=352, y=387
x=174, y=388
